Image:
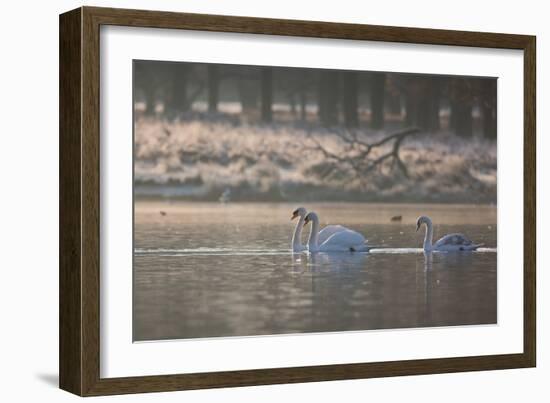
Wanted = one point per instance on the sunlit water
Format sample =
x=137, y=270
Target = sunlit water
x=213, y=270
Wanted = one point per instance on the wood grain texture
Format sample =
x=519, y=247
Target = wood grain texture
x=90, y=201
x=80, y=201
x=530, y=203
x=316, y=29
x=70, y=271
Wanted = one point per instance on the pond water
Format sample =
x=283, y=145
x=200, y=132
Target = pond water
x=214, y=270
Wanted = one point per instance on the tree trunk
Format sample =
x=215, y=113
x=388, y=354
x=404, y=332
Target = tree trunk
x=489, y=108
x=248, y=93
x=293, y=105
x=267, y=94
x=143, y=81
x=463, y=119
x=149, y=93
x=394, y=103
x=213, y=88
x=176, y=92
x=423, y=102
x=461, y=108
x=350, y=95
x=434, y=103
x=304, y=78
x=328, y=98
x=377, y=92
x=303, y=106
x=410, y=108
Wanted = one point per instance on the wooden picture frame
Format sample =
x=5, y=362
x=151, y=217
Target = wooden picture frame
x=79, y=346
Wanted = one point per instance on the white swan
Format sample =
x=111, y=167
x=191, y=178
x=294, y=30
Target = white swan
x=448, y=243
x=296, y=242
x=324, y=234
x=340, y=240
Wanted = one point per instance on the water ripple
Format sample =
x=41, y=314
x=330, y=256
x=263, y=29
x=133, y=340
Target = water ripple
x=203, y=251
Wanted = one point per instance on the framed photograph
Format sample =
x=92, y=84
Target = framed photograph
x=249, y=201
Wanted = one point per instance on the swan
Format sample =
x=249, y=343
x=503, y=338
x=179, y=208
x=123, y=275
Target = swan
x=324, y=234
x=448, y=243
x=296, y=242
x=342, y=240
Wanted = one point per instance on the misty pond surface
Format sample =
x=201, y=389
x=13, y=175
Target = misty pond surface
x=215, y=270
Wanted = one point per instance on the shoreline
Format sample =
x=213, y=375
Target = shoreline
x=180, y=194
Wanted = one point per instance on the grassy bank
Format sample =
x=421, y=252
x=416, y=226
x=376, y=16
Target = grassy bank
x=200, y=160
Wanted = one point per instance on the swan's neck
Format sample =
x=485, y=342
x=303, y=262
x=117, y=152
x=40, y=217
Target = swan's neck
x=313, y=235
x=428, y=237
x=297, y=236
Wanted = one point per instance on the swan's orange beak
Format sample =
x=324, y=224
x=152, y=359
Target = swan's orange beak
x=294, y=215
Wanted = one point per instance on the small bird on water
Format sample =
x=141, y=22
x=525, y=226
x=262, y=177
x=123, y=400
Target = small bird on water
x=397, y=218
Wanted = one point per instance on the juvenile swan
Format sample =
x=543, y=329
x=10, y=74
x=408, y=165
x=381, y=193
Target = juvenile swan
x=449, y=243
x=344, y=240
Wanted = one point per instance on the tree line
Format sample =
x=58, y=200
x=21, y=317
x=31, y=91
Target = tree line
x=326, y=97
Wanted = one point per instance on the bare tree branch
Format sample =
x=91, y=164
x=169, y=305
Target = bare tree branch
x=357, y=152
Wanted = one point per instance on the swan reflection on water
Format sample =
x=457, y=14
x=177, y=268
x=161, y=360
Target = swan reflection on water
x=351, y=260
x=333, y=261
x=299, y=262
x=448, y=259
x=428, y=260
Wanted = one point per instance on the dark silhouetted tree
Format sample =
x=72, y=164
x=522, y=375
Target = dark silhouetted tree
x=433, y=92
x=248, y=85
x=328, y=97
x=175, y=100
x=462, y=102
x=145, y=82
x=267, y=94
x=413, y=94
x=304, y=83
x=489, y=107
x=213, y=87
x=350, y=99
x=393, y=93
x=423, y=102
x=377, y=96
